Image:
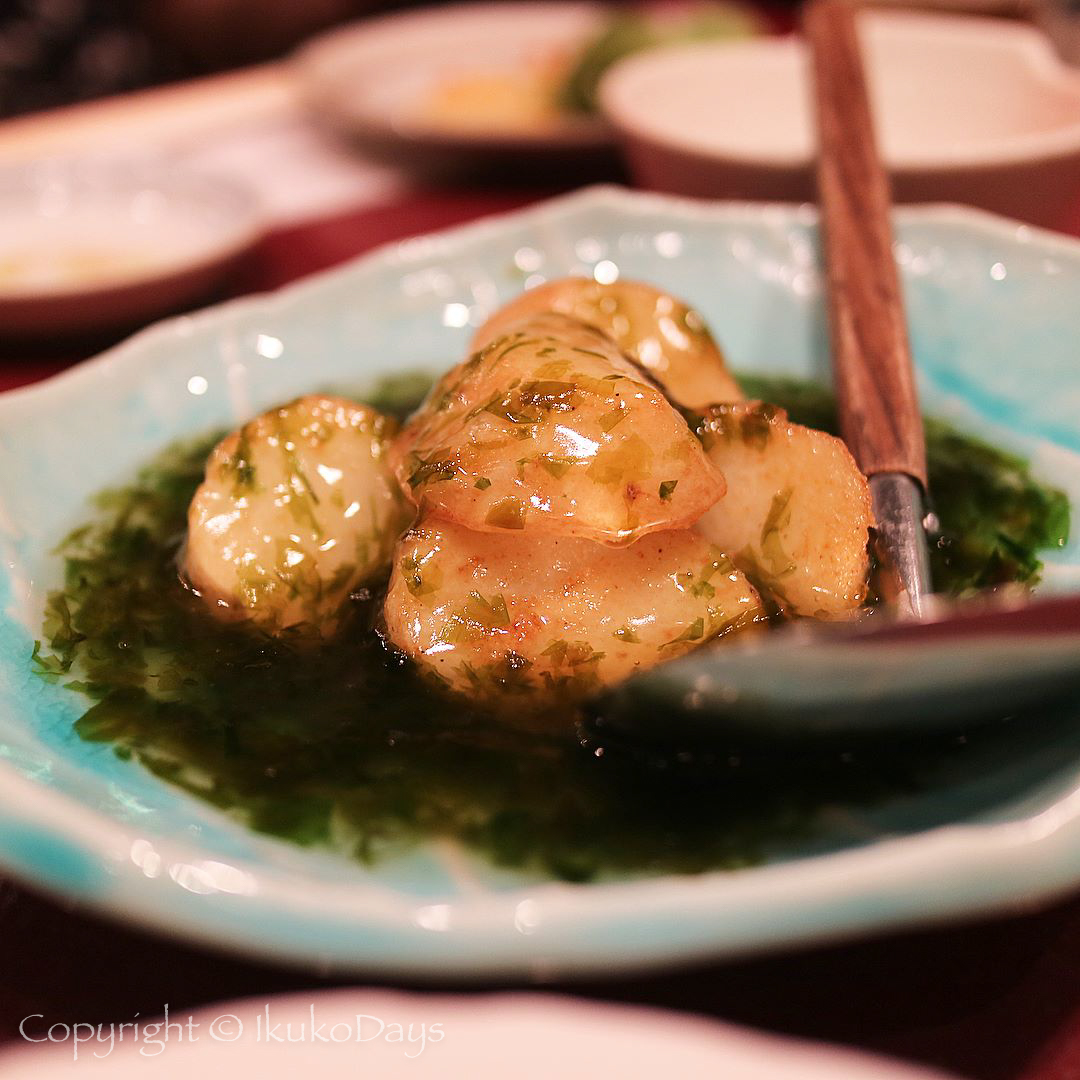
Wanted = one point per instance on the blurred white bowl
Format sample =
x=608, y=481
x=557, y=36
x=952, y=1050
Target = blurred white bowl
x=88, y=246
x=969, y=110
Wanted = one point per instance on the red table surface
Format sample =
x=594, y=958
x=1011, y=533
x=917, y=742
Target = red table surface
x=993, y=1000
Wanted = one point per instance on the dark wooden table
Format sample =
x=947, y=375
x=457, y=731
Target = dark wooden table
x=993, y=1000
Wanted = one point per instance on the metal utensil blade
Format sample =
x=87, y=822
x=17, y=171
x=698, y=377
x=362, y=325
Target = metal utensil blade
x=904, y=555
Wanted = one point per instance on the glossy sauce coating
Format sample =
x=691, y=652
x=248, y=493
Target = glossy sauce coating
x=525, y=619
x=797, y=513
x=297, y=508
x=657, y=331
x=549, y=429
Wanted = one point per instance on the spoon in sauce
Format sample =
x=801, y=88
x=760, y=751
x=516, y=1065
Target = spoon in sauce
x=986, y=659
x=875, y=383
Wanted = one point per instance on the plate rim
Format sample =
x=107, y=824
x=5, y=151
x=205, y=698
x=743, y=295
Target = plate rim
x=616, y=196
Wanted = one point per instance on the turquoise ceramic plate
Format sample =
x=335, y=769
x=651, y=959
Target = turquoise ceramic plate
x=994, y=323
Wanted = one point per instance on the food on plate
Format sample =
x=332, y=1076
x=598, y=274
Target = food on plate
x=797, y=513
x=45, y=267
x=629, y=32
x=568, y=526
x=520, y=619
x=547, y=89
x=660, y=333
x=549, y=429
x=346, y=747
x=519, y=98
x=530, y=461
x=296, y=509
x=391, y=633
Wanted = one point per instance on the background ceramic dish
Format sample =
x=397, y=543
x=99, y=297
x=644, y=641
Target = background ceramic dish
x=970, y=110
x=994, y=322
x=369, y=81
x=530, y=1037
x=93, y=245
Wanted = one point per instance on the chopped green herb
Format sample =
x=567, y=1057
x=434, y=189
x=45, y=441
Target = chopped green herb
x=557, y=651
x=516, y=344
x=489, y=614
x=694, y=632
x=548, y=395
x=553, y=369
x=580, y=653
x=755, y=426
x=702, y=585
x=573, y=653
x=417, y=581
x=48, y=667
x=667, y=489
x=621, y=462
x=240, y=467
x=442, y=465
x=507, y=513
x=610, y=420
x=777, y=562
x=509, y=675
x=556, y=465
x=302, y=499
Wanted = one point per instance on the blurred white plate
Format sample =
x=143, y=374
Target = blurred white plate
x=385, y=81
x=87, y=246
x=527, y=1036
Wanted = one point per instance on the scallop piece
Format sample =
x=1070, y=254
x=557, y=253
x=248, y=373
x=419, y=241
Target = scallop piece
x=550, y=429
x=655, y=329
x=797, y=513
x=297, y=508
x=524, y=620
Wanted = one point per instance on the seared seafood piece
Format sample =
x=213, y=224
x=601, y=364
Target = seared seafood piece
x=549, y=429
x=797, y=513
x=527, y=620
x=655, y=329
x=297, y=508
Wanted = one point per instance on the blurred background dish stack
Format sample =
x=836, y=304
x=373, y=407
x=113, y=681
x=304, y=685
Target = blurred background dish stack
x=483, y=84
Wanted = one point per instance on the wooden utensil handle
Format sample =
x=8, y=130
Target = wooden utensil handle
x=879, y=408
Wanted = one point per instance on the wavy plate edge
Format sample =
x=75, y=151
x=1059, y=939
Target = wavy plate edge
x=52, y=842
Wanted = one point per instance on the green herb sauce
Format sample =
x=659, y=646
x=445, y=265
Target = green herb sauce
x=345, y=747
